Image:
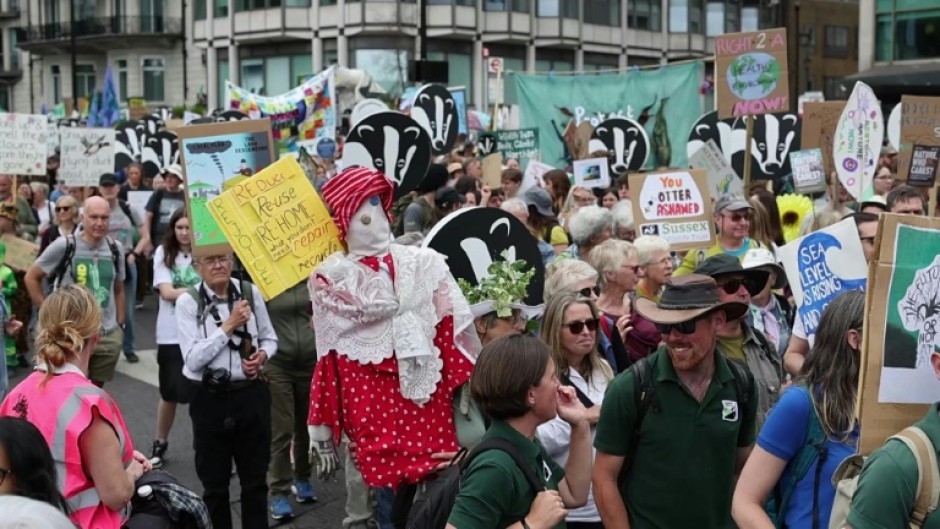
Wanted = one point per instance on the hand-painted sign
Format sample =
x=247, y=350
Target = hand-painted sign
x=522, y=144
x=722, y=180
x=751, y=72
x=857, y=144
x=215, y=158
x=808, y=174
x=23, y=144
x=920, y=124
x=820, y=120
x=278, y=226
x=822, y=265
x=923, y=171
x=675, y=206
x=85, y=154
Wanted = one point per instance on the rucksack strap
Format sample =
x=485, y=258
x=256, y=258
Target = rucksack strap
x=644, y=398
x=566, y=381
x=66, y=261
x=814, y=447
x=928, y=476
x=495, y=443
x=743, y=384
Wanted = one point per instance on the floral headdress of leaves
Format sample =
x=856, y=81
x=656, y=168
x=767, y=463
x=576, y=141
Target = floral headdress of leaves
x=505, y=287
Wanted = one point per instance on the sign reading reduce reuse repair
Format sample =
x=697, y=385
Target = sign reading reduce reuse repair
x=675, y=206
x=278, y=226
x=751, y=73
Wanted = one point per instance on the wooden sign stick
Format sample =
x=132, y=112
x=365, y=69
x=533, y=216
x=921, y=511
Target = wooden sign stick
x=749, y=136
x=932, y=207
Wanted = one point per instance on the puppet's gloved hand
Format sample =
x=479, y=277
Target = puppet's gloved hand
x=321, y=443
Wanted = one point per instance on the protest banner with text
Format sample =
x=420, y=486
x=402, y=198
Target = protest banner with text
x=278, y=225
x=23, y=144
x=19, y=254
x=522, y=144
x=920, y=124
x=85, y=154
x=674, y=205
x=751, y=73
x=808, y=174
x=722, y=179
x=856, y=147
x=822, y=265
x=819, y=128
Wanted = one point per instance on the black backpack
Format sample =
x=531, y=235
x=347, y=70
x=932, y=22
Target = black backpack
x=645, y=399
x=434, y=510
x=66, y=262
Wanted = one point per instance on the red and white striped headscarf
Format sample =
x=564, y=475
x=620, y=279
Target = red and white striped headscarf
x=345, y=193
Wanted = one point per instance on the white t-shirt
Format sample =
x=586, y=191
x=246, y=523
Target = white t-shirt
x=182, y=275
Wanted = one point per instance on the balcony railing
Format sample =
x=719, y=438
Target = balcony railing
x=103, y=27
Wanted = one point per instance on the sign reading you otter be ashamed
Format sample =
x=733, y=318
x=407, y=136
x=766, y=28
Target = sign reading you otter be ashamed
x=675, y=206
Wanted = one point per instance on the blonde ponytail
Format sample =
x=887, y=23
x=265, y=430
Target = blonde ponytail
x=67, y=319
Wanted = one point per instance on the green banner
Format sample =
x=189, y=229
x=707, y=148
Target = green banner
x=521, y=144
x=667, y=97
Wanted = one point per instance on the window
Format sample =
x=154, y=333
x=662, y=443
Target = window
x=252, y=76
x=916, y=34
x=519, y=6
x=602, y=12
x=696, y=14
x=5, y=98
x=833, y=88
x=14, y=50
x=151, y=19
x=715, y=19
x=222, y=77
x=85, y=77
x=153, y=70
x=327, y=2
x=750, y=19
x=200, y=9
x=679, y=16
x=221, y=8
x=600, y=61
x=732, y=21
x=301, y=67
x=644, y=14
x=557, y=8
x=56, y=84
x=449, y=2
x=122, y=79
x=387, y=67
x=836, y=44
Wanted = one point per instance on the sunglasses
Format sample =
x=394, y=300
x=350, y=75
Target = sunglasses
x=738, y=217
x=686, y=327
x=577, y=327
x=733, y=285
x=59, y=209
x=586, y=292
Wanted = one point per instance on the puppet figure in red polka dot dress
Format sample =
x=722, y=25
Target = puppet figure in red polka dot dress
x=394, y=336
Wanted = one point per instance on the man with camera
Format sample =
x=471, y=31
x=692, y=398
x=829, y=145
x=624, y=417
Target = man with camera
x=226, y=336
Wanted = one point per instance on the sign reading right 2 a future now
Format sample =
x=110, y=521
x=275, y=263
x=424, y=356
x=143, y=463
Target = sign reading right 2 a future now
x=751, y=73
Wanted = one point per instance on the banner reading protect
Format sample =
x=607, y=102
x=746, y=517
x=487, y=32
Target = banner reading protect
x=669, y=97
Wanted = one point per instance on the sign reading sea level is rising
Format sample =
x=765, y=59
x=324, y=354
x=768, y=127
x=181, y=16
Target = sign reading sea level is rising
x=675, y=206
x=751, y=73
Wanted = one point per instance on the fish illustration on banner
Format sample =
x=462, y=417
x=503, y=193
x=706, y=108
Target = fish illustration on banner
x=857, y=144
x=820, y=267
x=303, y=114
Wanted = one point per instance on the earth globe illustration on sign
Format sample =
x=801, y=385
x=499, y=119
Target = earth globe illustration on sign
x=753, y=75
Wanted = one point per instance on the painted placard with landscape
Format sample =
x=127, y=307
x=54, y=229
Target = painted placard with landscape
x=215, y=158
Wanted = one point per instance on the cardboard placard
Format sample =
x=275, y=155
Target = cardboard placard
x=533, y=175
x=722, y=179
x=20, y=253
x=808, y=174
x=819, y=129
x=896, y=383
x=856, y=148
x=24, y=144
x=492, y=168
x=214, y=158
x=674, y=205
x=751, y=73
x=591, y=173
x=822, y=265
x=85, y=155
x=278, y=224
x=923, y=169
x=920, y=124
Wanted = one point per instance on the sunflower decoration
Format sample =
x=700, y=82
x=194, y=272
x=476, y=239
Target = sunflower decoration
x=793, y=210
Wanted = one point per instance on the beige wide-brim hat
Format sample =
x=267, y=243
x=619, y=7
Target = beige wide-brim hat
x=687, y=298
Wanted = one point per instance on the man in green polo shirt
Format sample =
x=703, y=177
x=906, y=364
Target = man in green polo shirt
x=888, y=485
x=681, y=473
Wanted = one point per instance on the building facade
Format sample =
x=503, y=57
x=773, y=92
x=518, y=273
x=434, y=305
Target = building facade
x=172, y=52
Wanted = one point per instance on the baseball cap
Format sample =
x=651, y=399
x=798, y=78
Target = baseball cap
x=731, y=203
x=446, y=197
x=107, y=179
x=540, y=200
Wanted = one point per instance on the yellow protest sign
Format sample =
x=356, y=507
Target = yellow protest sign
x=278, y=225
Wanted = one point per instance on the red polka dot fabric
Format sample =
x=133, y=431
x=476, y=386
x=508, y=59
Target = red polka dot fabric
x=395, y=436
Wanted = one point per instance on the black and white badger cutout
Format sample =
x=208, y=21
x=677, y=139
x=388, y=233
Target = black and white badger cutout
x=434, y=109
x=625, y=141
x=472, y=238
x=391, y=143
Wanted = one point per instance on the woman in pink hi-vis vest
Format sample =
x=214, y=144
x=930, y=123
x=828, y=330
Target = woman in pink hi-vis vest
x=96, y=464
